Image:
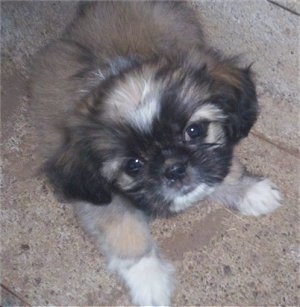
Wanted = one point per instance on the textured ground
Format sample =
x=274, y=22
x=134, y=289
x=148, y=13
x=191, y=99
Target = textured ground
x=221, y=258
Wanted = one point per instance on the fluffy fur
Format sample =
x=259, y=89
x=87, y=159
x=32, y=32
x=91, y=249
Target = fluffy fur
x=139, y=118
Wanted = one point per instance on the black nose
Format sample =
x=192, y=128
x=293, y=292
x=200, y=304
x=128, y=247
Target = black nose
x=175, y=171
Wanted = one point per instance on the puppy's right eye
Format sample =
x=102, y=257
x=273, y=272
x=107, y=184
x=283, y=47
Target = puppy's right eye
x=196, y=130
x=133, y=166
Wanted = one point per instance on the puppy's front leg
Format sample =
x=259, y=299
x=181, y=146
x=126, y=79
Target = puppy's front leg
x=123, y=234
x=248, y=194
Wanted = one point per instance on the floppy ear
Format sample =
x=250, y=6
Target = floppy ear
x=75, y=173
x=236, y=95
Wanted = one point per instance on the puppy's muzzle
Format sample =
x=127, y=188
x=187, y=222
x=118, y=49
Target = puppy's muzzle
x=175, y=171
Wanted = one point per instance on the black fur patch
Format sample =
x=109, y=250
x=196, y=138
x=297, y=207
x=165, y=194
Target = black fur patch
x=239, y=104
x=75, y=173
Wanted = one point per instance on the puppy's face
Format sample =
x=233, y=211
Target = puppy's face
x=165, y=144
x=160, y=134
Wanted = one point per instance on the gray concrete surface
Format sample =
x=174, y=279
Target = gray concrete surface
x=221, y=258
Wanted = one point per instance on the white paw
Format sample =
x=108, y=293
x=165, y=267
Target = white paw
x=149, y=281
x=262, y=198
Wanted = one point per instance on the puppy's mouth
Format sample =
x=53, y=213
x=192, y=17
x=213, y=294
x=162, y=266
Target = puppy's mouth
x=185, y=192
x=181, y=187
x=189, y=195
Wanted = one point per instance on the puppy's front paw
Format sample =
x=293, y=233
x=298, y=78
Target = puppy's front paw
x=263, y=197
x=150, y=281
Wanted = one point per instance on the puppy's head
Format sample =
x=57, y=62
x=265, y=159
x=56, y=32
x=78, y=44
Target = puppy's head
x=161, y=134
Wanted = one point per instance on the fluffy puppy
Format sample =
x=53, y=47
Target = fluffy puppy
x=139, y=118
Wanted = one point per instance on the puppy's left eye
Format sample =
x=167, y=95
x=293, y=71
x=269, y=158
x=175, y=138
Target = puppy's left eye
x=196, y=130
x=133, y=166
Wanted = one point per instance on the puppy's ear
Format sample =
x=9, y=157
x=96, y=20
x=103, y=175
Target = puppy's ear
x=236, y=95
x=75, y=173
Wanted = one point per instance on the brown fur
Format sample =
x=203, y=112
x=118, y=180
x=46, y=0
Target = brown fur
x=142, y=28
x=116, y=29
x=98, y=91
x=118, y=229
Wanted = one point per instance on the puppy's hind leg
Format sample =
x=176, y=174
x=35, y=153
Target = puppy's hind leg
x=248, y=194
x=123, y=234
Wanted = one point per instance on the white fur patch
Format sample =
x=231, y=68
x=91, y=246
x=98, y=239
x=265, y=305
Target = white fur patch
x=262, y=198
x=149, y=279
x=143, y=116
x=184, y=201
x=215, y=133
x=208, y=112
x=135, y=99
x=110, y=168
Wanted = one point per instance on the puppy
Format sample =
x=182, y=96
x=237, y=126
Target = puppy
x=139, y=118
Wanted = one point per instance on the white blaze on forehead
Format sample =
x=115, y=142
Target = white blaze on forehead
x=135, y=99
x=147, y=110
